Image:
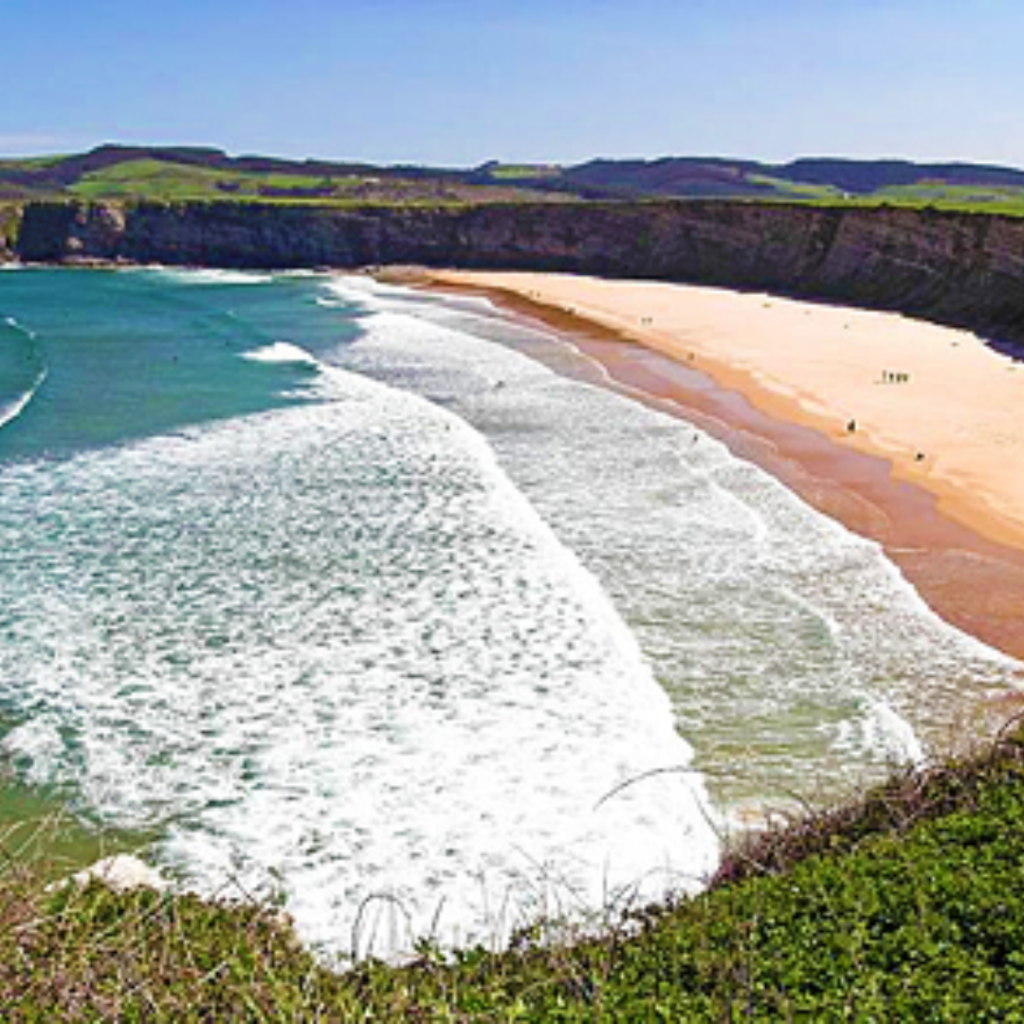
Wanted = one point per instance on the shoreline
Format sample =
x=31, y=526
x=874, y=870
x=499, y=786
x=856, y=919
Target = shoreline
x=967, y=565
x=966, y=562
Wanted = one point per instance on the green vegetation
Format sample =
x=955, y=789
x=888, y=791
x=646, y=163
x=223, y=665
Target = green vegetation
x=956, y=197
x=10, y=223
x=905, y=906
x=180, y=174
x=173, y=182
x=17, y=178
x=144, y=175
x=166, y=181
x=782, y=188
x=910, y=199
x=91, y=954
x=518, y=172
x=32, y=163
x=16, y=192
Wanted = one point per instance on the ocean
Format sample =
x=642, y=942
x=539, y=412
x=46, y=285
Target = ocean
x=379, y=603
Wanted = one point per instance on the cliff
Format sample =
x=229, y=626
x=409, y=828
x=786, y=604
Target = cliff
x=960, y=269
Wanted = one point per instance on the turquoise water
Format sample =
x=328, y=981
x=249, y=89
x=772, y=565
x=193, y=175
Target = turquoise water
x=138, y=354
x=345, y=594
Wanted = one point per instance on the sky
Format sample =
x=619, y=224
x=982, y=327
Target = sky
x=458, y=82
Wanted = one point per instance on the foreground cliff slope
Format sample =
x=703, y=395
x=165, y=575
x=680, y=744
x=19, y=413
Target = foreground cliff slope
x=960, y=269
x=906, y=905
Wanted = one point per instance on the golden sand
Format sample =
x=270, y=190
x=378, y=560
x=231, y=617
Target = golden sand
x=910, y=433
x=939, y=404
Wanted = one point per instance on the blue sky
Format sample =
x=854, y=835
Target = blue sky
x=457, y=82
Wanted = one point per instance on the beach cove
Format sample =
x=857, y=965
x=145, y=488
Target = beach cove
x=418, y=594
x=906, y=432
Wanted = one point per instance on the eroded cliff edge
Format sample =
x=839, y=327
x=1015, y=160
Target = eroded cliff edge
x=961, y=269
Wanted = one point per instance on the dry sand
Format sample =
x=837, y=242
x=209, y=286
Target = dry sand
x=910, y=433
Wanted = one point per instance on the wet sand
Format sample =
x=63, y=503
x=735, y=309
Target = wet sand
x=951, y=521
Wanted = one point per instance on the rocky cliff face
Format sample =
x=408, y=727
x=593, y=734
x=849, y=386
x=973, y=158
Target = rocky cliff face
x=960, y=269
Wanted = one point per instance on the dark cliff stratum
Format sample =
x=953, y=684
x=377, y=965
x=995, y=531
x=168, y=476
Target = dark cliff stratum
x=960, y=269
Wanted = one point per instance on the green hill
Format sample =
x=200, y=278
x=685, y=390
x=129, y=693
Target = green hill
x=196, y=174
x=187, y=174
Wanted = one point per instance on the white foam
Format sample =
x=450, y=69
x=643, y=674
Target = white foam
x=332, y=649
x=363, y=289
x=196, y=276
x=280, y=352
x=368, y=292
x=13, y=409
x=35, y=748
x=16, y=325
x=771, y=626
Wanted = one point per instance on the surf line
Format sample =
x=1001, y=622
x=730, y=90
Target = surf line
x=15, y=408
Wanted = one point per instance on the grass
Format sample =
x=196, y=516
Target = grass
x=906, y=905
x=518, y=172
x=15, y=191
x=153, y=180
x=10, y=224
x=951, y=201
x=162, y=180
x=794, y=189
x=173, y=182
x=957, y=197
x=161, y=177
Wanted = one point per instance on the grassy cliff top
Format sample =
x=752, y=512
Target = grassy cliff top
x=192, y=174
x=907, y=905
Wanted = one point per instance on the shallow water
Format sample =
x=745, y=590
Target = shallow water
x=796, y=656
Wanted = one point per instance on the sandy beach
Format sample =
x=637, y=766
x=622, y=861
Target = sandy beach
x=909, y=433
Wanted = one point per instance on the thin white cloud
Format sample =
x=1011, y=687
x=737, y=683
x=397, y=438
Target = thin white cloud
x=33, y=144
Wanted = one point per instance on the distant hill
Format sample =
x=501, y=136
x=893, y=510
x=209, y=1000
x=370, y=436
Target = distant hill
x=191, y=173
x=953, y=185
x=866, y=176
x=194, y=173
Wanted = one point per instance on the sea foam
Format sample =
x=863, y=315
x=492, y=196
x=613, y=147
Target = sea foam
x=196, y=276
x=389, y=650
x=13, y=409
x=25, y=360
x=281, y=352
x=332, y=651
x=796, y=656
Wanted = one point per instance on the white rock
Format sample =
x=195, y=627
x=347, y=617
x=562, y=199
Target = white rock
x=121, y=873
